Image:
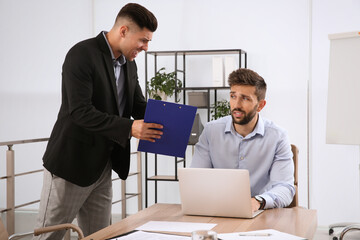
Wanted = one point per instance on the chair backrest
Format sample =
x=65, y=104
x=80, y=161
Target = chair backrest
x=3, y=232
x=295, y=152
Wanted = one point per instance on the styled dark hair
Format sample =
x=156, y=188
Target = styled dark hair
x=244, y=76
x=139, y=15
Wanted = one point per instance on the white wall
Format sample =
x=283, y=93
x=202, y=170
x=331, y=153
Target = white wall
x=35, y=36
x=335, y=168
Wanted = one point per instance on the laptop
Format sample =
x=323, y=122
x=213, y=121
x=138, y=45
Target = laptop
x=216, y=192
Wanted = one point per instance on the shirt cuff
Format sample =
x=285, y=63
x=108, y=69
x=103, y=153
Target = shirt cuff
x=269, y=202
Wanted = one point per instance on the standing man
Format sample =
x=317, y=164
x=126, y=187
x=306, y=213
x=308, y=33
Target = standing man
x=245, y=140
x=100, y=92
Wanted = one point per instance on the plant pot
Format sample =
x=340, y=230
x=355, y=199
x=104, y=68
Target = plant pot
x=198, y=99
x=162, y=95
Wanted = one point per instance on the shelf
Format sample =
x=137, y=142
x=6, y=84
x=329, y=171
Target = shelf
x=180, y=160
x=204, y=88
x=197, y=52
x=162, y=178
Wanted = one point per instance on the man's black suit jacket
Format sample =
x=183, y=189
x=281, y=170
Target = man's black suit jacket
x=89, y=131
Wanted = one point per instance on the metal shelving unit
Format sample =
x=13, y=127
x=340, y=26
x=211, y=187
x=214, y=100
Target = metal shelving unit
x=242, y=62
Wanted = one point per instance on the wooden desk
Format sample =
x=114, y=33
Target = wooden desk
x=297, y=221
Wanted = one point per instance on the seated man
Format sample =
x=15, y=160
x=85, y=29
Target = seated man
x=245, y=140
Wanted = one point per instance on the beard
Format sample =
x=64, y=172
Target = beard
x=247, y=116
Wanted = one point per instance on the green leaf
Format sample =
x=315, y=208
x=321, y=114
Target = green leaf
x=220, y=109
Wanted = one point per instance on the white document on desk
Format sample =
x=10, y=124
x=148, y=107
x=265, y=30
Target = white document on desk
x=140, y=235
x=267, y=234
x=165, y=226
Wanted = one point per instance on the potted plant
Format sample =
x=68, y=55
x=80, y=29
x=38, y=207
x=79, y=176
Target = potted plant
x=220, y=109
x=163, y=84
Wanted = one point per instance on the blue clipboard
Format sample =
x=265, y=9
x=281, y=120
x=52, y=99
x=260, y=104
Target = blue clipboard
x=177, y=120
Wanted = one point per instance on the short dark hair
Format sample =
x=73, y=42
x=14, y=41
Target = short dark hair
x=139, y=15
x=244, y=76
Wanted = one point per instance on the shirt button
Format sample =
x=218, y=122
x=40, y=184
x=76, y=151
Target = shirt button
x=241, y=158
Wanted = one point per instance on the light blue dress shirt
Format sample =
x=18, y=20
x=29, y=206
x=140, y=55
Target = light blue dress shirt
x=265, y=152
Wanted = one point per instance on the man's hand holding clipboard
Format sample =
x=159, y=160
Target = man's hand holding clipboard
x=146, y=131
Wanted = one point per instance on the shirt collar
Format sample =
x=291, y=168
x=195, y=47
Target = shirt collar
x=121, y=60
x=259, y=128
